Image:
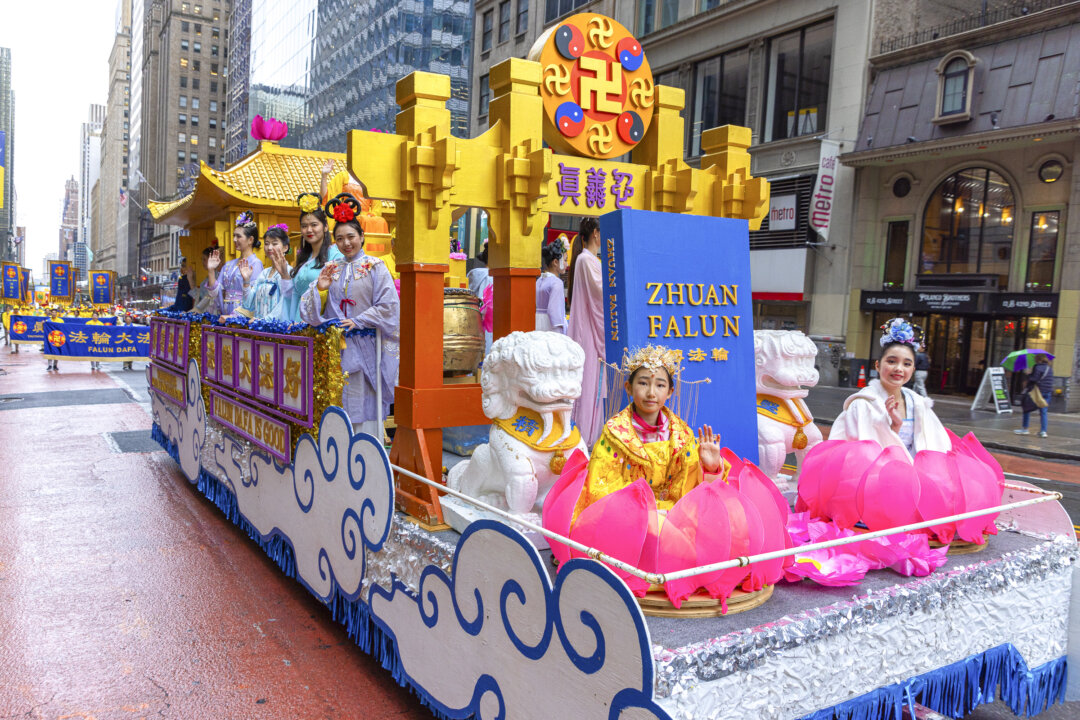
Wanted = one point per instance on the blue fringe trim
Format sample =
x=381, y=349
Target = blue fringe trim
x=355, y=615
x=957, y=689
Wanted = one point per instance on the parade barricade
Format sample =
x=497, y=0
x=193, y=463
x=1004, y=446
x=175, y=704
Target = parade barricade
x=250, y=413
x=30, y=329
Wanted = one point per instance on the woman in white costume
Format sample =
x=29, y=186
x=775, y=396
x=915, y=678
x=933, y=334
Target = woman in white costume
x=887, y=412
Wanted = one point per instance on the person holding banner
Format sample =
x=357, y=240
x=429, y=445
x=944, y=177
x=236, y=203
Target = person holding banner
x=54, y=316
x=266, y=296
x=887, y=412
x=94, y=320
x=358, y=294
x=228, y=288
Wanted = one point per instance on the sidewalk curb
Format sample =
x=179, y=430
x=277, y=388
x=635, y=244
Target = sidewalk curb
x=1004, y=447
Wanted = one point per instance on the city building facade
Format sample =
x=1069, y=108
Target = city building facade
x=69, y=227
x=185, y=56
x=966, y=176
x=89, y=172
x=271, y=45
x=792, y=72
x=110, y=243
x=8, y=247
x=363, y=49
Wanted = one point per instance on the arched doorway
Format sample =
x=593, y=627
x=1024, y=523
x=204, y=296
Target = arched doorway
x=967, y=245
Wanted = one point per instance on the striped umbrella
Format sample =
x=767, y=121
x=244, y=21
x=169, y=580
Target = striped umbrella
x=1018, y=361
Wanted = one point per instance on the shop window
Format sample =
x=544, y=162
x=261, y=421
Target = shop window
x=719, y=94
x=955, y=74
x=522, y=23
x=800, y=63
x=895, y=256
x=653, y=15
x=485, y=31
x=504, y=21
x=483, y=97
x=1042, y=251
x=968, y=229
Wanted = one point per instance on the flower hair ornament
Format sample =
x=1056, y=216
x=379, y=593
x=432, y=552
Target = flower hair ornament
x=308, y=202
x=899, y=330
x=343, y=207
x=245, y=220
x=280, y=226
x=557, y=247
x=652, y=357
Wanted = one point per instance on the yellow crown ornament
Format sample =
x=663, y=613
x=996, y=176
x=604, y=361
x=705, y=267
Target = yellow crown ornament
x=652, y=357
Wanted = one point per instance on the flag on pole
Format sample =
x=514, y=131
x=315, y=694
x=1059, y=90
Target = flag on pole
x=123, y=197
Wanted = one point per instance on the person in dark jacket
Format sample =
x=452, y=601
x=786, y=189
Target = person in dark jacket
x=922, y=369
x=184, y=302
x=1040, y=377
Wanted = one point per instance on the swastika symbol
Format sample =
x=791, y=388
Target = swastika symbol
x=601, y=85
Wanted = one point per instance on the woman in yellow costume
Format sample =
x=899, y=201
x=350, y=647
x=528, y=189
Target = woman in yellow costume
x=647, y=440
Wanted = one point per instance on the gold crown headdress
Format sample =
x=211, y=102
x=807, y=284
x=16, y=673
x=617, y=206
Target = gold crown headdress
x=653, y=357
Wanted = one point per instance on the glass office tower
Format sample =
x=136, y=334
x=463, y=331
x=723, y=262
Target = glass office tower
x=363, y=48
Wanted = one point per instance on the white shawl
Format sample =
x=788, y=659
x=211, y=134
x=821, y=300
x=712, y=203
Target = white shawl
x=865, y=418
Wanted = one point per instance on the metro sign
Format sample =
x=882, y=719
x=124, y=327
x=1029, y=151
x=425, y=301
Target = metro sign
x=597, y=87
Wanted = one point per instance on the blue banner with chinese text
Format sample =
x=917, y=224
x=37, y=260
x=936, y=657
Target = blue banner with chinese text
x=101, y=289
x=27, y=329
x=79, y=341
x=12, y=284
x=59, y=280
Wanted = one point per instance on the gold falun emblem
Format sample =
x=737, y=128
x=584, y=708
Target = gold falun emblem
x=597, y=87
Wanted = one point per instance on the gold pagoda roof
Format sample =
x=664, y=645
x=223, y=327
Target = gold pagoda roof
x=268, y=179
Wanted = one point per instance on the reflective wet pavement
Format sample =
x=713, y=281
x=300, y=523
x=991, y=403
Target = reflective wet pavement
x=124, y=593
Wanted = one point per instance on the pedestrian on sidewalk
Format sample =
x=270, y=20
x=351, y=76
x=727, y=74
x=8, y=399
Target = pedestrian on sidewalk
x=1040, y=378
x=922, y=369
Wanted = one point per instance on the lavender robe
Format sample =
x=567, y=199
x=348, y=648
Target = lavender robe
x=368, y=284
x=550, y=303
x=229, y=291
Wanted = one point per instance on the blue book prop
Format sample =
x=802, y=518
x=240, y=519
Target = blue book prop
x=683, y=281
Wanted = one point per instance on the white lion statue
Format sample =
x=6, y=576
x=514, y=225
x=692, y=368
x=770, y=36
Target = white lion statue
x=784, y=371
x=530, y=382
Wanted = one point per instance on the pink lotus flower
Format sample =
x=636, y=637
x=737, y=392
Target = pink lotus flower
x=268, y=128
x=856, y=481
x=714, y=522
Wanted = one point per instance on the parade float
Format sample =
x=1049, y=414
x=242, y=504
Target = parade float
x=481, y=623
